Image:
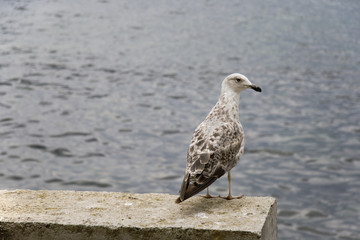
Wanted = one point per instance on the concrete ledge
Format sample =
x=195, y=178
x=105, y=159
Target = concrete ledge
x=26, y=214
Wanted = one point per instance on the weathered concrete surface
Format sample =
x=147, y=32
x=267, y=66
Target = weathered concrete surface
x=26, y=214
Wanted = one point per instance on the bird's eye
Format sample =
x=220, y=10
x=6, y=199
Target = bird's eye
x=238, y=79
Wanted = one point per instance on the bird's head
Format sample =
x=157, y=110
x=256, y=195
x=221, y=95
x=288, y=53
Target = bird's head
x=238, y=82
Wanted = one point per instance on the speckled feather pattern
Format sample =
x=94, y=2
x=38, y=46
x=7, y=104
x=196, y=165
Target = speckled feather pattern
x=218, y=142
x=216, y=146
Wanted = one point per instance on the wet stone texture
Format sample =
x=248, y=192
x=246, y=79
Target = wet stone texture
x=26, y=214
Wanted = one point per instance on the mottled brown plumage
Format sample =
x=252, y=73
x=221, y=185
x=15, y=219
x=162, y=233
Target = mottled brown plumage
x=218, y=142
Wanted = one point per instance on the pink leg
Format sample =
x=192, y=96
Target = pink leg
x=207, y=194
x=229, y=197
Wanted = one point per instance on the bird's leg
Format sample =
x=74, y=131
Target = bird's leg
x=229, y=197
x=207, y=194
x=229, y=183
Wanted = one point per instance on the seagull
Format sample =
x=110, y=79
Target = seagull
x=218, y=142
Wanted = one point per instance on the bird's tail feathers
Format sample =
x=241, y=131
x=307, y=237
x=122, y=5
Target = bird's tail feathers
x=189, y=189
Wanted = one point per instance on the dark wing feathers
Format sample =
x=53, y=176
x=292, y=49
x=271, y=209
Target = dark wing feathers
x=209, y=156
x=190, y=189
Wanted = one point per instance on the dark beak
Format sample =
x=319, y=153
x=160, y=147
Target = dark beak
x=256, y=88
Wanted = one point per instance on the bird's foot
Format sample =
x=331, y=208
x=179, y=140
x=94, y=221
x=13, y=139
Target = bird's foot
x=209, y=196
x=229, y=197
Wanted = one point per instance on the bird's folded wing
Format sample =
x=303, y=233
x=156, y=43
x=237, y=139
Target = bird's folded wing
x=209, y=157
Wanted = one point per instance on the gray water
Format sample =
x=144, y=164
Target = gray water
x=105, y=95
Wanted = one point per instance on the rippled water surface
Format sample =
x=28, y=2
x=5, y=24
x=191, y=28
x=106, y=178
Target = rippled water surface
x=104, y=96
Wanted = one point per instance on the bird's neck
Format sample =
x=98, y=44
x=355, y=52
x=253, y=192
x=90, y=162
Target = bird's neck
x=230, y=99
x=227, y=108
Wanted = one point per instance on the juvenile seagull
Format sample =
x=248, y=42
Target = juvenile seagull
x=218, y=142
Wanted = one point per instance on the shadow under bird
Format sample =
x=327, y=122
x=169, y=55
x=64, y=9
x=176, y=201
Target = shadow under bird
x=218, y=142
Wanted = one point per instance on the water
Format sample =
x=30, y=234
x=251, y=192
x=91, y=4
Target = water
x=104, y=96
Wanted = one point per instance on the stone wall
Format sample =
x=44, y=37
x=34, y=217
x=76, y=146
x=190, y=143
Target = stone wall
x=26, y=214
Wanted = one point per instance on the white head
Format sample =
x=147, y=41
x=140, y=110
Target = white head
x=238, y=82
